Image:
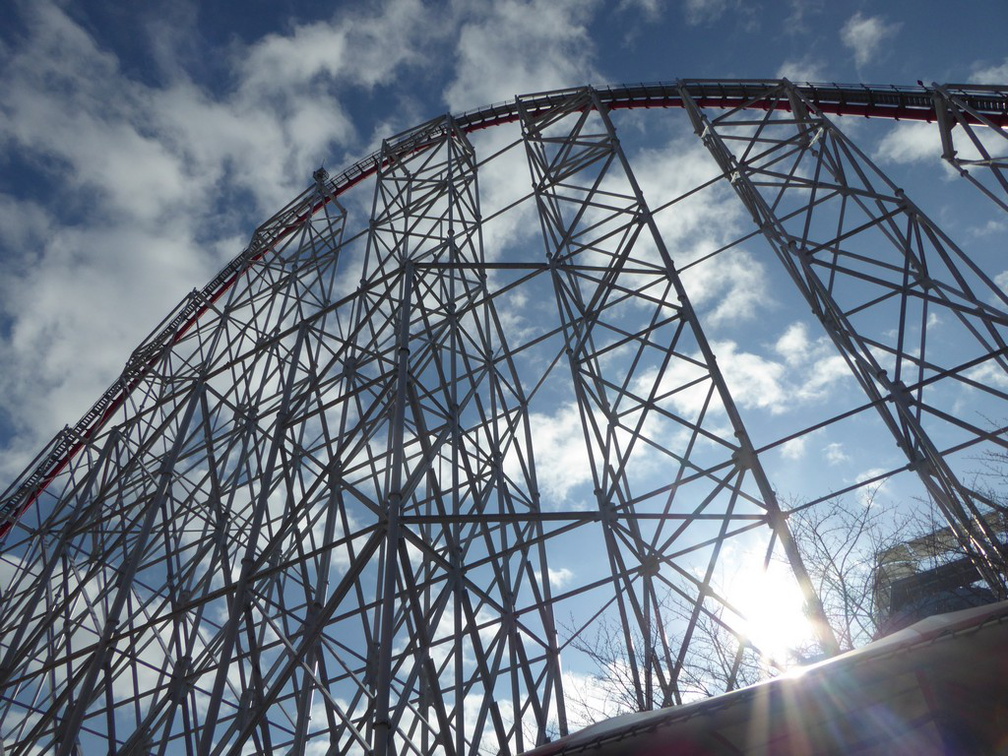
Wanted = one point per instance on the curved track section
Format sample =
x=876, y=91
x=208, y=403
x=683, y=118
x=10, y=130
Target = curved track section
x=947, y=104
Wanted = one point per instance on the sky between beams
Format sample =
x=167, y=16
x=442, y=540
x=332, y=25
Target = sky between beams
x=140, y=145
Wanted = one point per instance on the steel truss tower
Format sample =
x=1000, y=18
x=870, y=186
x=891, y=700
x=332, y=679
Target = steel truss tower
x=326, y=508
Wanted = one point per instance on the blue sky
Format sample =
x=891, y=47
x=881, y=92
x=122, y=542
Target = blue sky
x=140, y=144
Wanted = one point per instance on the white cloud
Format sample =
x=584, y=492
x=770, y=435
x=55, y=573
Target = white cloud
x=756, y=381
x=504, y=182
x=910, y=143
x=809, y=369
x=802, y=70
x=991, y=374
x=515, y=46
x=561, y=457
x=753, y=382
x=278, y=61
x=795, y=448
x=865, y=35
x=704, y=11
x=919, y=142
x=560, y=577
x=743, y=14
x=992, y=227
x=795, y=23
x=167, y=177
x=794, y=344
x=650, y=9
x=362, y=49
x=814, y=365
x=734, y=289
x=730, y=287
x=25, y=224
x=835, y=453
x=996, y=74
x=590, y=699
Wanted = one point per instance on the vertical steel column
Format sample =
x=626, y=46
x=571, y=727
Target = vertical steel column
x=388, y=598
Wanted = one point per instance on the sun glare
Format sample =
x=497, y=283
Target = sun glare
x=772, y=607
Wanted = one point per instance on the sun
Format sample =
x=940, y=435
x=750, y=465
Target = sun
x=772, y=608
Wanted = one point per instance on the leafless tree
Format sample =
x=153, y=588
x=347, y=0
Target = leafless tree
x=720, y=660
x=840, y=541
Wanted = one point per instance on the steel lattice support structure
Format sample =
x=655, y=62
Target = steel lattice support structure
x=952, y=110
x=605, y=254
x=879, y=252
x=316, y=512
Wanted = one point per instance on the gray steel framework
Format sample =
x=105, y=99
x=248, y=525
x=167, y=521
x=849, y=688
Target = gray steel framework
x=312, y=515
x=987, y=146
